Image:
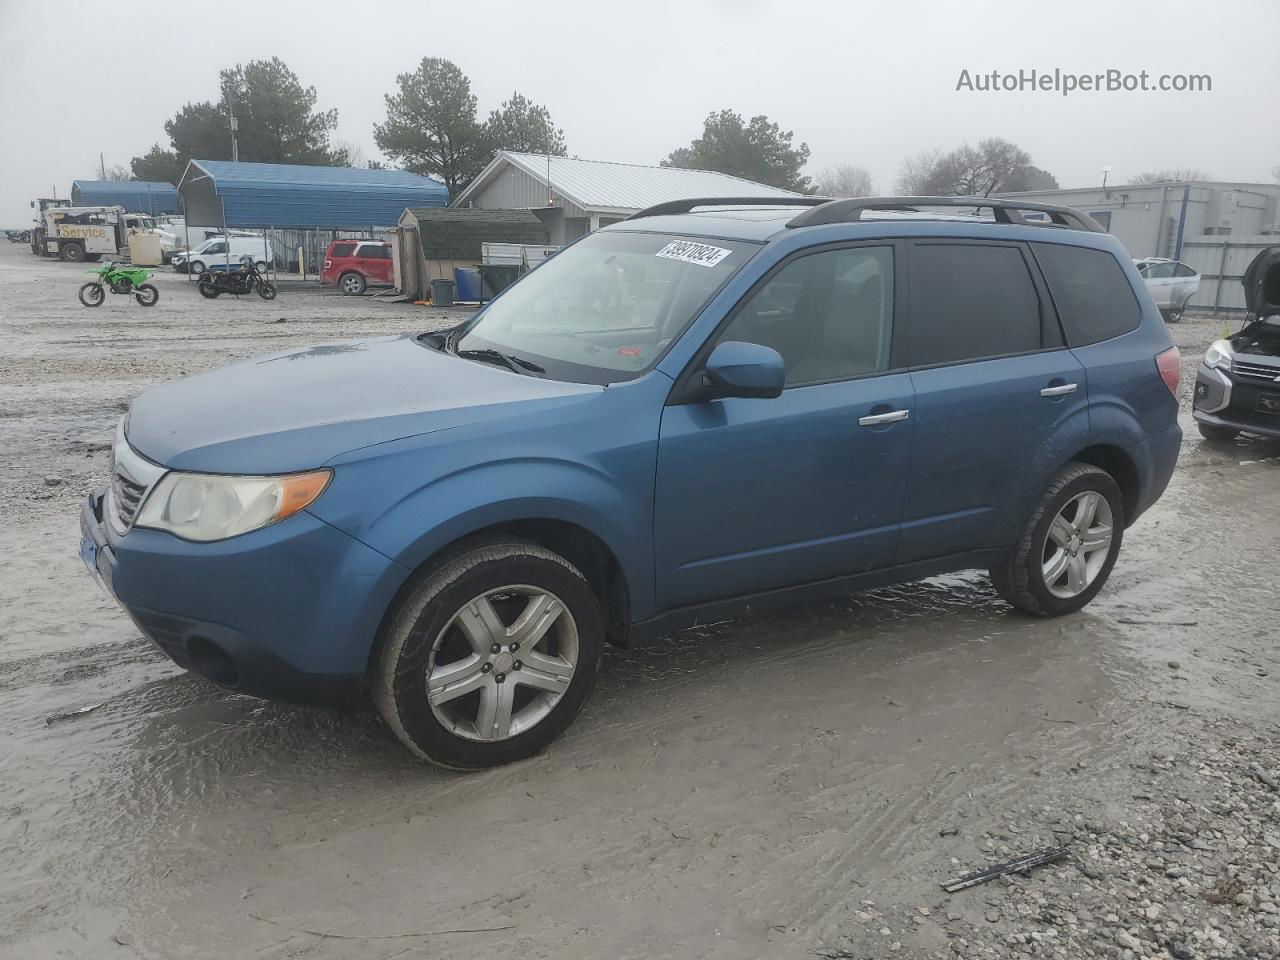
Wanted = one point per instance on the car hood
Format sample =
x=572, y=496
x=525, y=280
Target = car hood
x=298, y=409
x=1261, y=282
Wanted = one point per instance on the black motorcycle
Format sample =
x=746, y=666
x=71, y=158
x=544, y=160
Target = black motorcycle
x=241, y=282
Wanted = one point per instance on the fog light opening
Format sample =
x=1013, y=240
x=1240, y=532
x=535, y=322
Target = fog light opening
x=212, y=662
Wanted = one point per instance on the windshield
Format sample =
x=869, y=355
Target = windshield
x=606, y=308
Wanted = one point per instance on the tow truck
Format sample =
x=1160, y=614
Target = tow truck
x=77, y=234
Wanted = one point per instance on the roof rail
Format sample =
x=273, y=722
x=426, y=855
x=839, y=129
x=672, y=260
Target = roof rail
x=1004, y=211
x=684, y=206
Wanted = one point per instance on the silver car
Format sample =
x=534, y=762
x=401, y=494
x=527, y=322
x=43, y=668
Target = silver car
x=1170, y=283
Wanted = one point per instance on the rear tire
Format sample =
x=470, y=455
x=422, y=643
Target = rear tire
x=443, y=628
x=92, y=294
x=147, y=295
x=352, y=284
x=1031, y=579
x=208, y=290
x=1216, y=434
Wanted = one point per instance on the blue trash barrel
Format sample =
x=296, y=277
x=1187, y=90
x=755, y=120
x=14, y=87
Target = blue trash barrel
x=467, y=283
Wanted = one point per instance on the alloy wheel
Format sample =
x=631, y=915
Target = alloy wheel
x=502, y=663
x=1077, y=544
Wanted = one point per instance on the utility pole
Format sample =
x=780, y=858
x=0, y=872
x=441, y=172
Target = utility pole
x=235, y=127
x=102, y=165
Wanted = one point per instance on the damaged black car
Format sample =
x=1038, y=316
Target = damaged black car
x=1238, y=383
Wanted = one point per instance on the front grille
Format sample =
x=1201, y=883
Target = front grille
x=1255, y=371
x=126, y=497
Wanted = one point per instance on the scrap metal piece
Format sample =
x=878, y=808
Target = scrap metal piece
x=54, y=718
x=1038, y=859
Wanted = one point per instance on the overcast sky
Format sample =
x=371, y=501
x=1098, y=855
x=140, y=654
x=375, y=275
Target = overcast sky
x=861, y=82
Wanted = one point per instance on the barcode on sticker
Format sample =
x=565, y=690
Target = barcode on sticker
x=703, y=254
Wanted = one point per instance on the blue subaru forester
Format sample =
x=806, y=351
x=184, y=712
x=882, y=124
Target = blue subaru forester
x=712, y=407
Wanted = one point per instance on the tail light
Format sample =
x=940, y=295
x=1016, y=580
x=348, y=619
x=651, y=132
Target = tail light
x=1169, y=363
x=328, y=263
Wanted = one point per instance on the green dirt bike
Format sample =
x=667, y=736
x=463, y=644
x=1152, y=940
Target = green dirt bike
x=120, y=279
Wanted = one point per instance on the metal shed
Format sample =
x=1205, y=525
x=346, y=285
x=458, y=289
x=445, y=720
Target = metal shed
x=136, y=196
x=260, y=195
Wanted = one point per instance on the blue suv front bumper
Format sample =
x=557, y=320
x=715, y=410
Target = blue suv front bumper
x=288, y=612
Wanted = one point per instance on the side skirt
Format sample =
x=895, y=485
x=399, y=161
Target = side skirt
x=769, y=600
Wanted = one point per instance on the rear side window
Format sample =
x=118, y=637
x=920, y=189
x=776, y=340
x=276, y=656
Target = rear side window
x=1093, y=296
x=970, y=301
x=375, y=251
x=1182, y=270
x=342, y=250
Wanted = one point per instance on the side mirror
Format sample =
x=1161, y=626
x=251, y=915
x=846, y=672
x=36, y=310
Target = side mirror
x=737, y=369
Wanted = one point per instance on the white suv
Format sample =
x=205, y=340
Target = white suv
x=1170, y=283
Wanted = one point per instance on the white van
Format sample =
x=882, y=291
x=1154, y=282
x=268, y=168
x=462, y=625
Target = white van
x=213, y=254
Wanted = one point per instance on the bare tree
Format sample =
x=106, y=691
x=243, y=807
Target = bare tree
x=1275, y=171
x=1175, y=175
x=117, y=172
x=845, y=180
x=993, y=166
x=349, y=154
x=916, y=172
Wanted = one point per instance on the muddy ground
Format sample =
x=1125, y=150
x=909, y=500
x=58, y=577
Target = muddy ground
x=789, y=786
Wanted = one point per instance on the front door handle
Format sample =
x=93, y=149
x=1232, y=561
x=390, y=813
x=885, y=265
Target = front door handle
x=874, y=419
x=1060, y=391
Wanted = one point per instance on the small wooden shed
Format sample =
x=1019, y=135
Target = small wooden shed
x=433, y=241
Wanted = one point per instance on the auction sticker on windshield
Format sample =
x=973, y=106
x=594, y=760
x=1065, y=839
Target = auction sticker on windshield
x=704, y=255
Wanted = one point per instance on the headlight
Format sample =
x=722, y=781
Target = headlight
x=1218, y=355
x=202, y=506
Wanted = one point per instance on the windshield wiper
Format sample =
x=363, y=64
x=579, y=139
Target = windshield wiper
x=508, y=360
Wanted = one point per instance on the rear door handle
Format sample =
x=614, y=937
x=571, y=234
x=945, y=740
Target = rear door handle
x=1059, y=391
x=874, y=419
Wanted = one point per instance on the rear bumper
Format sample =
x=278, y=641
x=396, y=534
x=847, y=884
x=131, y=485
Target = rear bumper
x=289, y=612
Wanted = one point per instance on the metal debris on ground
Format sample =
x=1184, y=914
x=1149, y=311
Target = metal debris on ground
x=70, y=714
x=1020, y=865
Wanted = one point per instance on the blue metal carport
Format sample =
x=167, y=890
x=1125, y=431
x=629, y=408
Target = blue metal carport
x=136, y=196
x=258, y=196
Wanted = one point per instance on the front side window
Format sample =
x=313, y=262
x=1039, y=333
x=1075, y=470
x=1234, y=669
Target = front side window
x=606, y=308
x=829, y=314
x=970, y=301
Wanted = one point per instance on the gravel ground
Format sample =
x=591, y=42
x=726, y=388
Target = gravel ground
x=796, y=785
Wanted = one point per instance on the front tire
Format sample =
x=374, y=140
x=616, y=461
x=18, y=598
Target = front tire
x=352, y=284
x=146, y=295
x=196, y=267
x=266, y=289
x=490, y=655
x=1215, y=434
x=92, y=294
x=71, y=252
x=1068, y=547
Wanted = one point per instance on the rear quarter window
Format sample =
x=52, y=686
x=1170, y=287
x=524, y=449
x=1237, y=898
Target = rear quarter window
x=342, y=250
x=1092, y=294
